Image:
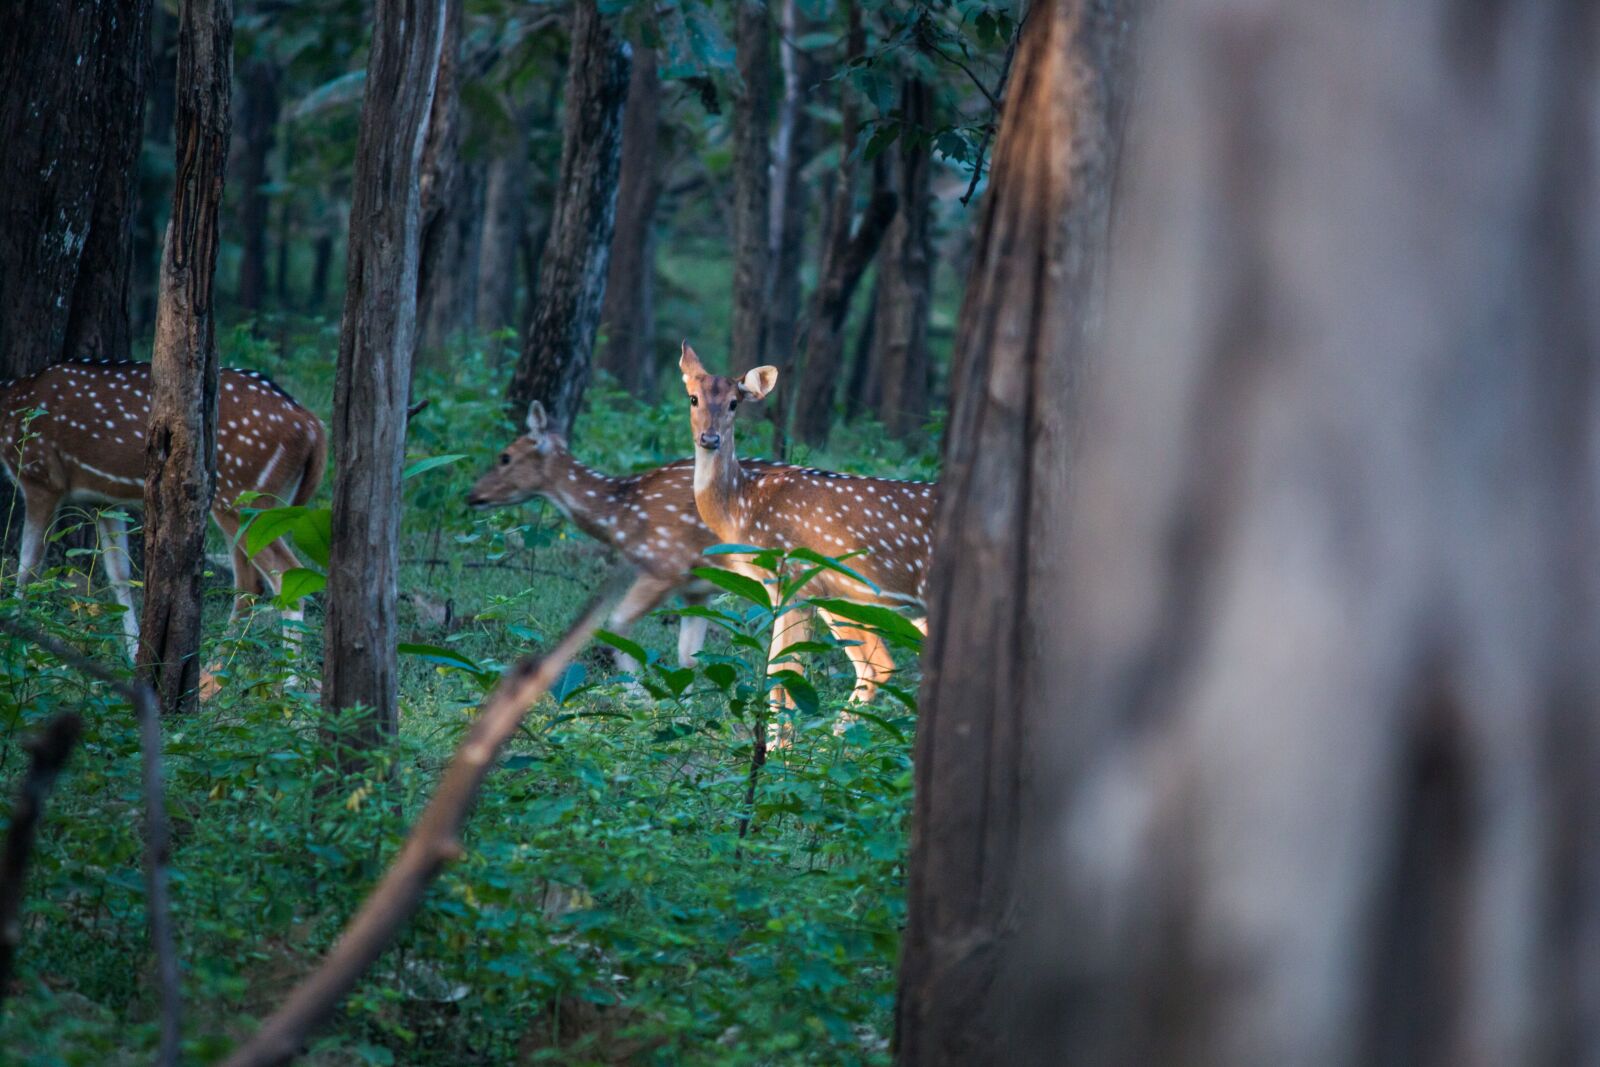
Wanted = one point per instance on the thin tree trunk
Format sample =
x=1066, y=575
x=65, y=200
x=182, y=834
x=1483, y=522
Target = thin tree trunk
x=629, y=314
x=180, y=452
x=1327, y=787
x=791, y=205
x=441, y=189
x=504, y=220
x=865, y=390
x=321, y=269
x=554, y=368
x=845, y=258
x=373, y=380
x=752, y=157
x=1026, y=327
x=72, y=85
x=286, y=216
x=258, y=130
x=155, y=189
x=445, y=307
x=905, y=275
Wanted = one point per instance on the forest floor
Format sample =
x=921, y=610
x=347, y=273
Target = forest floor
x=607, y=908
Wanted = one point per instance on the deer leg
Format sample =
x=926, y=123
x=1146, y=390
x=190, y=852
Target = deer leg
x=868, y=653
x=692, y=631
x=39, y=507
x=119, y=572
x=246, y=579
x=642, y=596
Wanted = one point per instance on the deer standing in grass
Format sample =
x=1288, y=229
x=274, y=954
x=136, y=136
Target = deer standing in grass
x=890, y=522
x=650, y=518
x=75, y=433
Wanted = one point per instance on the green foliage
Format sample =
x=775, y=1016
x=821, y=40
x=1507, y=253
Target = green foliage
x=607, y=899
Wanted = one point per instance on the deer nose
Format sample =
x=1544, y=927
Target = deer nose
x=711, y=441
x=474, y=500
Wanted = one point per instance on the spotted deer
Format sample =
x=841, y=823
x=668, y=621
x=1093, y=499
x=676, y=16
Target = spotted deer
x=650, y=518
x=888, y=522
x=75, y=433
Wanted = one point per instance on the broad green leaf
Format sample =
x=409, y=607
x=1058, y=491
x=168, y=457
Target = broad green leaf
x=313, y=534
x=568, y=683
x=678, y=680
x=269, y=525
x=802, y=691
x=445, y=657
x=893, y=625
x=297, y=584
x=623, y=645
x=812, y=556
x=737, y=584
x=423, y=465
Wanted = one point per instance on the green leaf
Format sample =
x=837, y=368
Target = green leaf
x=803, y=692
x=269, y=525
x=568, y=683
x=423, y=465
x=721, y=674
x=313, y=534
x=737, y=584
x=297, y=584
x=678, y=680
x=623, y=645
x=445, y=657
x=809, y=555
x=890, y=623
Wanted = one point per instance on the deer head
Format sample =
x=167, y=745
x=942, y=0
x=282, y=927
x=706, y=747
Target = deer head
x=526, y=468
x=713, y=400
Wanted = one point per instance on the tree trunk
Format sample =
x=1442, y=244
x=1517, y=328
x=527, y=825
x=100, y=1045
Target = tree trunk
x=321, y=270
x=154, y=188
x=554, y=368
x=441, y=189
x=373, y=381
x=791, y=205
x=752, y=157
x=286, y=216
x=446, y=305
x=629, y=315
x=1327, y=787
x=258, y=129
x=905, y=275
x=180, y=451
x=504, y=220
x=72, y=83
x=845, y=258
x=865, y=391
x=1024, y=332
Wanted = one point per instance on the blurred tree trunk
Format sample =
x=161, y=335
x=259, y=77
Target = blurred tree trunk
x=554, y=368
x=258, y=130
x=447, y=305
x=504, y=220
x=752, y=158
x=286, y=217
x=72, y=84
x=153, y=183
x=791, y=205
x=373, y=381
x=1328, y=787
x=845, y=257
x=865, y=391
x=180, y=451
x=440, y=194
x=321, y=270
x=629, y=313
x=1024, y=334
x=905, y=275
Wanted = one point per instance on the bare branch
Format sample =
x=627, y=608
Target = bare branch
x=997, y=101
x=433, y=843
x=157, y=835
x=49, y=750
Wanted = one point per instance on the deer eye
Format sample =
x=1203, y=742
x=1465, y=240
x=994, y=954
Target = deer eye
x=505, y=459
x=694, y=401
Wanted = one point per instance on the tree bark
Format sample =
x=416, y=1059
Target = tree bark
x=845, y=258
x=446, y=305
x=72, y=84
x=154, y=189
x=373, y=379
x=791, y=205
x=258, y=121
x=1327, y=787
x=629, y=314
x=554, y=368
x=1026, y=327
x=439, y=257
x=905, y=274
x=180, y=450
x=504, y=221
x=752, y=158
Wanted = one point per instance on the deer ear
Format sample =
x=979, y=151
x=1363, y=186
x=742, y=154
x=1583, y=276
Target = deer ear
x=689, y=364
x=538, y=421
x=758, y=382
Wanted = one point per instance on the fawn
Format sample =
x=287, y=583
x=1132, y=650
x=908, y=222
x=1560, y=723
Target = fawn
x=788, y=507
x=651, y=519
x=75, y=432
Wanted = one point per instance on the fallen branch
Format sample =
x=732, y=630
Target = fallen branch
x=433, y=842
x=157, y=835
x=49, y=751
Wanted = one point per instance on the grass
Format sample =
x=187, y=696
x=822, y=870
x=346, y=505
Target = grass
x=607, y=907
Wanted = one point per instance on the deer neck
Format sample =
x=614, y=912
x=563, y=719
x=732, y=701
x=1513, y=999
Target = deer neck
x=718, y=483
x=584, y=496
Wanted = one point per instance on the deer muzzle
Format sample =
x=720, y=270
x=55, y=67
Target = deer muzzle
x=710, y=441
